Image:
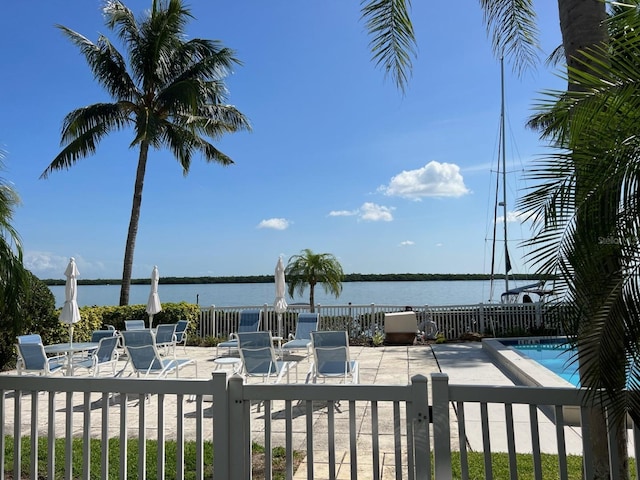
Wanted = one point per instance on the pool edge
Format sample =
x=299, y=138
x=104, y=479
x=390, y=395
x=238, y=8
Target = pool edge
x=528, y=372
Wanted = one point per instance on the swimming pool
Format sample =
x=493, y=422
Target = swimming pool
x=553, y=354
x=524, y=369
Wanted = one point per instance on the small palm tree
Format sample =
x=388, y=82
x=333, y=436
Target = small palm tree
x=310, y=269
x=172, y=95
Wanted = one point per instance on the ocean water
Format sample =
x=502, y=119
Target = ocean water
x=454, y=292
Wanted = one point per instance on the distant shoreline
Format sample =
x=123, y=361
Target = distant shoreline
x=351, y=277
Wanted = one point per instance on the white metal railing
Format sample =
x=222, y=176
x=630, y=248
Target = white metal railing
x=320, y=420
x=452, y=320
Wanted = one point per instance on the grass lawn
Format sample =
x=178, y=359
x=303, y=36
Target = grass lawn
x=500, y=461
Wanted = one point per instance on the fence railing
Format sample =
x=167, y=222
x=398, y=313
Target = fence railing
x=452, y=320
x=321, y=422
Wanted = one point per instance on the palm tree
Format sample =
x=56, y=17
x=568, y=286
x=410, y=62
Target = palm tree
x=310, y=269
x=171, y=94
x=512, y=26
x=14, y=279
x=589, y=211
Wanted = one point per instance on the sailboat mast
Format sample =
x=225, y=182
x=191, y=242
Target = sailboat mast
x=504, y=177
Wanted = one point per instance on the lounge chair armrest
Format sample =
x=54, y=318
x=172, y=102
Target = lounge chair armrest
x=291, y=336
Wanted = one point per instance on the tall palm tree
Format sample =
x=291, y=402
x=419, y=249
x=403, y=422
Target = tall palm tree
x=171, y=93
x=582, y=23
x=310, y=269
x=589, y=210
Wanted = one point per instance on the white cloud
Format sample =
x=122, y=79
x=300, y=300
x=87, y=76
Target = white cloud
x=374, y=213
x=370, y=212
x=45, y=264
x=49, y=265
x=343, y=213
x=275, y=223
x=407, y=243
x=514, y=216
x=433, y=180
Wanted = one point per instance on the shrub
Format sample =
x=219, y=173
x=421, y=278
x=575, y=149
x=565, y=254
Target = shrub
x=95, y=318
x=38, y=316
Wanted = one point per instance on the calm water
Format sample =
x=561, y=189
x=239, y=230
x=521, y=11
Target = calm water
x=557, y=357
x=242, y=294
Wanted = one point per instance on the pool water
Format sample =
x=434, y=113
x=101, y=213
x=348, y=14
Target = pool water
x=554, y=355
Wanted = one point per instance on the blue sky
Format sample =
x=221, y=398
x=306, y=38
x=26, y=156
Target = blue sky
x=339, y=161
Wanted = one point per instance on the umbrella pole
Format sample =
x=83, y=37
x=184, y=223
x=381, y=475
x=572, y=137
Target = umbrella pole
x=280, y=325
x=71, y=334
x=150, y=321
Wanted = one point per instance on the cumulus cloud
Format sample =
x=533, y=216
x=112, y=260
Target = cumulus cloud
x=49, y=265
x=45, y=264
x=369, y=211
x=375, y=213
x=275, y=223
x=433, y=180
x=407, y=243
x=343, y=213
x=515, y=216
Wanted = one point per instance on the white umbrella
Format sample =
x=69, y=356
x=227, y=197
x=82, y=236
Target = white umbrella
x=70, y=313
x=280, y=305
x=153, y=305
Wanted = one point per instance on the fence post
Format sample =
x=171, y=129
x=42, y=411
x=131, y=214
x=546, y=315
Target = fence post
x=221, y=418
x=441, y=426
x=266, y=321
x=239, y=431
x=420, y=422
x=214, y=324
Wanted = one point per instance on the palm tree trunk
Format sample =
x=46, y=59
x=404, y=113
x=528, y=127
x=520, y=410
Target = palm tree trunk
x=582, y=26
x=133, y=224
x=312, y=298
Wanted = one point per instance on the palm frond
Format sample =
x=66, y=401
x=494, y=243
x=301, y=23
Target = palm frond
x=106, y=63
x=511, y=24
x=393, y=43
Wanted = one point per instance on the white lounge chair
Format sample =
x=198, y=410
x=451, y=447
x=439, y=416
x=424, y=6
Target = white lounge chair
x=331, y=357
x=259, y=357
x=33, y=359
x=105, y=356
x=134, y=325
x=249, y=322
x=307, y=323
x=166, y=338
x=145, y=359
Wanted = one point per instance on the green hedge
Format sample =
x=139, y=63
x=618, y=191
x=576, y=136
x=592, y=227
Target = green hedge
x=96, y=318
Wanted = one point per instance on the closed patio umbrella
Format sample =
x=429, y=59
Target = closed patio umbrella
x=153, y=305
x=280, y=304
x=70, y=313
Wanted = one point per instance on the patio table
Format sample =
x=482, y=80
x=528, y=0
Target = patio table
x=69, y=349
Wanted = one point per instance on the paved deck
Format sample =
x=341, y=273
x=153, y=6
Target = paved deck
x=465, y=363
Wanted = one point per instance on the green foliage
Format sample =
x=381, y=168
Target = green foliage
x=378, y=338
x=38, y=315
x=95, y=318
x=171, y=455
x=499, y=461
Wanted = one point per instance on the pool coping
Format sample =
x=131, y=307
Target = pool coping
x=525, y=371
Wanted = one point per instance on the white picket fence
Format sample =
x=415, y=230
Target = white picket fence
x=403, y=425
x=452, y=320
